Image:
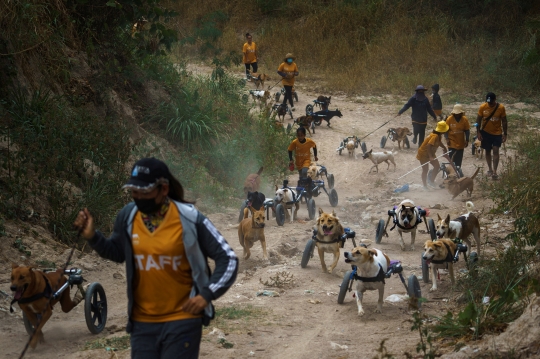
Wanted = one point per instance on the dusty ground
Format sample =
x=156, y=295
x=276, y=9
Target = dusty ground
x=305, y=319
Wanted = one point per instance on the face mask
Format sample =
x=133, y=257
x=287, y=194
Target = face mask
x=289, y=61
x=147, y=205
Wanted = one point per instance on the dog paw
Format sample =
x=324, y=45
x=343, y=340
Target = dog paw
x=432, y=289
x=412, y=247
x=403, y=248
x=378, y=310
x=361, y=313
x=330, y=271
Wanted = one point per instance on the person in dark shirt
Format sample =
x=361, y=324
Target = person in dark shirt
x=420, y=108
x=436, y=101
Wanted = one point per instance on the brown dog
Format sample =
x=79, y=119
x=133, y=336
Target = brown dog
x=305, y=122
x=328, y=232
x=27, y=283
x=441, y=251
x=478, y=150
x=457, y=185
x=253, y=182
x=252, y=230
x=259, y=79
x=399, y=134
x=325, y=101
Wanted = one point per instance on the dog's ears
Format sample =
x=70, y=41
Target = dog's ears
x=372, y=252
x=438, y=243
x=439, y=217
x=251, y=209
x=285, y=189
x=447, y=220
x=334, y=213
x=320, y=211
x=277, y=188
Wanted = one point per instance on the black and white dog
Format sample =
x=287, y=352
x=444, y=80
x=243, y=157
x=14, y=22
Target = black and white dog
x=408, y=217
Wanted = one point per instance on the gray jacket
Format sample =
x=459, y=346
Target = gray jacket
x=201, y=240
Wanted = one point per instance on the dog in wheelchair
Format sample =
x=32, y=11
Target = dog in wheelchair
x=281, y=109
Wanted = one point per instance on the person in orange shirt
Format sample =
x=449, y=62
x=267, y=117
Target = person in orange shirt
x=492, y=130
x=458, y=135
x=426, y=154
x=250, y=52
x=288, y=70
x=301, y=147
x=165, y=242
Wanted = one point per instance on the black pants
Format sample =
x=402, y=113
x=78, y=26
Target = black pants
x=419, y=130
x=253, y=65
x=288, y=95
x=458, y=156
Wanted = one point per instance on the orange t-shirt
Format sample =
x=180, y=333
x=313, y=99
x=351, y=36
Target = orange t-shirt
x=163, y=279
x=302, y=152
x=250, y=53
x=456, y=133
x=494, y=125
x=424, y=150
x=289, y=69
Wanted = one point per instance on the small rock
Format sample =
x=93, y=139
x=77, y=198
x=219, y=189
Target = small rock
x=118, y=276
x=267, y=293
x=314, y=301
x=337, y=346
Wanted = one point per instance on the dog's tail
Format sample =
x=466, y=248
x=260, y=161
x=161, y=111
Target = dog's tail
x=475, y=173
x=260, y=171
x=246, y=213
x=470, y=206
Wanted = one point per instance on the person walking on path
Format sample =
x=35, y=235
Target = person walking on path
x=492, y=131
x=436, y=101
x=426, y=154
x=164, y=241
x=302, y=152
x=251, y=53
x=458, y=135
x=420, y=108
x=288, y=70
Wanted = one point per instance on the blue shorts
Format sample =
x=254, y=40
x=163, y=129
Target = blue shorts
x=489, y=141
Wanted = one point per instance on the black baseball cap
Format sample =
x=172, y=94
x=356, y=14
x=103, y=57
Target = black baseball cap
x=491, y=97
x=147, y=173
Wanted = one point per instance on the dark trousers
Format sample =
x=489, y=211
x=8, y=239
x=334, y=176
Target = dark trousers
x=288, y=95
x=457, y=155
x=420, y=131
x=169, y=340
x=253, y=65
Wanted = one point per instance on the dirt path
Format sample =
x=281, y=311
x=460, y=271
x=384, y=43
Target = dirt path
x=291, y=325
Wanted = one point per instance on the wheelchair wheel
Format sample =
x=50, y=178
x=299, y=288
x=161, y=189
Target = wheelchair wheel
x=295, y=95
x=344, y=287
x=277, y=96
x=340, y=152
x=425, y=270
x=383, y=141
x=413, y=290
x=317, y=121
x=330, y=178
x=95, y=308
x=241, y=215
x=309, y=109
x=364, y=147
x=406, y=141
x=333, y=197
x=27, y=325
x=308, y=253
x=432, y=229
x=311, y=208
x=379, y=232
x=280, y=215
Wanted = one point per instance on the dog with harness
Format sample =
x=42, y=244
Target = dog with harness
x=406, y=217
x=441, y=254
x=287, y=197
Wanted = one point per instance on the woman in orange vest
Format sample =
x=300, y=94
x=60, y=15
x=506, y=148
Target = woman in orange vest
x=288, y=71
x=250, y=52
x=165, y=242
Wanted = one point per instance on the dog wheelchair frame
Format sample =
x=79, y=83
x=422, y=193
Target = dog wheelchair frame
x=323, y=105
x=318, y=117
x=312, y=243
x=343, y=144
x=95, y=302
x=422, y=213
x=278, y=94
x=306, y=189
x=461, y=248
x=392, y=135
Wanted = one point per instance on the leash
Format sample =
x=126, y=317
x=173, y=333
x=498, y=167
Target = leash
x=51, y=298
x=274, y=85
x=378, y=127
x=414, y=169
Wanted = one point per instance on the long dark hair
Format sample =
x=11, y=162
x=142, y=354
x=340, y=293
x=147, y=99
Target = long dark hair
x=176, y=191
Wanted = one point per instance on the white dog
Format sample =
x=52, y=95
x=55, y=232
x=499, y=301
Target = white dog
x=379, y=157
x=284, y=196
x=351, y=147
x=372, y=265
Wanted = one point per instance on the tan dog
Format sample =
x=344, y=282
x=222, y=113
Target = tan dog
x=457, y=185
x=479, y=151
x=285, y=196
x=314, y=171
x=372, y=264
x=461, y=227
x=328, y=232
x=259, y=79
x=399, y=134
x=351, y=148
x=26, y=283
x=253, y=182
x=379, y=157
x=441, y=251
x=252, y=230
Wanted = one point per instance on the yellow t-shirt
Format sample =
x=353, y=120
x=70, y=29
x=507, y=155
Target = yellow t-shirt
x=456, y=133
x=302, y=152
x=162, y=281
x=494, y=125
x=289, y=69
x=250, y=53
x=424, y=150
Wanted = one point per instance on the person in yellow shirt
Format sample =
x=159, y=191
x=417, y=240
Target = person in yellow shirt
x=492, y=130
x=250, y=52
x=164, y=241
x=458, y=135
x=288, y=70
x=302, y=152
x=426, y=154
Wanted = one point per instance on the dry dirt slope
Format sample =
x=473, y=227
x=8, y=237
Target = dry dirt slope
x=304, y=320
